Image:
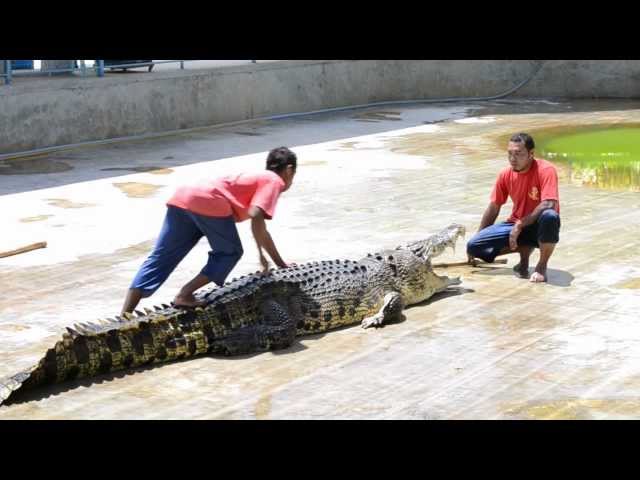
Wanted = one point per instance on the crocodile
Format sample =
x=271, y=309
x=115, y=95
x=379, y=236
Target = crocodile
x=254, y=313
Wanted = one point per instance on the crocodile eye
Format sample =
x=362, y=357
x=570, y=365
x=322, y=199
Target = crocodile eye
x=390, y=257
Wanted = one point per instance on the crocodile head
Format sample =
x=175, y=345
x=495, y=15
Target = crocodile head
x=435, y=244
x=411, y=265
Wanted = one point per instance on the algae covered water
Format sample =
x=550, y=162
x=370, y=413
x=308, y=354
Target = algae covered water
x=605, y=156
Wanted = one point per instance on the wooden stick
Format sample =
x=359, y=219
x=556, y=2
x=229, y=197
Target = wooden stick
x=28, y=248
x=465, y=264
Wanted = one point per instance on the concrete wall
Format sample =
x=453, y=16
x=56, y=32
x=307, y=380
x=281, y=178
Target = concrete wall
x=39, y=113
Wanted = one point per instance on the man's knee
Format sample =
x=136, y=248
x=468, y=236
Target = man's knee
x=477, y=247
x=550, y=217
x=473, y=247
x=549, y=226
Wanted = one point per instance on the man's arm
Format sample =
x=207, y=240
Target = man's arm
x=533, y=216
x=263, y=238
x=528, y=220
x=489, y=216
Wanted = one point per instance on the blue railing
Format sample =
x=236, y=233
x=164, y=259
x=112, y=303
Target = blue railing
x=98, y=68
x=7, y=72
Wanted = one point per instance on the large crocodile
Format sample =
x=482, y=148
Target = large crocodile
x=254, y=313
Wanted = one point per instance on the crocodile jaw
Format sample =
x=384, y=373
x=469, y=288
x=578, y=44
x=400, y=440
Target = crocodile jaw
x=436, y=244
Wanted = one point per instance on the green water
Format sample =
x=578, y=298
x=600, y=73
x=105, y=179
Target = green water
x=598, y=156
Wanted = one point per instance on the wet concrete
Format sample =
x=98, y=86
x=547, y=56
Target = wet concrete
x=497, y=347
x=37, y=218
x=137, y=189
x=66, y=203
x=150, y=169
x=32, y=166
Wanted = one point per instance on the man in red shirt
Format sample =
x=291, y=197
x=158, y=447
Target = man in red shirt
x=532, y=184
x=211, y=208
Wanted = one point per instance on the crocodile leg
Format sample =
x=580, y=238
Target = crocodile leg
x=391, y=311
x=274, y=330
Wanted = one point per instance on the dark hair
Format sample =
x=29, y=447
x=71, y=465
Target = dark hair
x=525, y=138
x=279, y=158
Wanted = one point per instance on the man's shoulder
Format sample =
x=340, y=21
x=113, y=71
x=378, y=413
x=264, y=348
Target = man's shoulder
x=544, y=165
x=504, y=173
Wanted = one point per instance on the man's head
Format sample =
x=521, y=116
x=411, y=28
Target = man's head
x=284, y=162
x=520, y=151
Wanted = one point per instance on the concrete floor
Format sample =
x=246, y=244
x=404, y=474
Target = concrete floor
x=497, y=347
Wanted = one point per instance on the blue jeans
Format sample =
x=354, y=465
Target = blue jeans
x=180, y=232
x=490, y=241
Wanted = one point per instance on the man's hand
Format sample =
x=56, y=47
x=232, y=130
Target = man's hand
x=513, y=236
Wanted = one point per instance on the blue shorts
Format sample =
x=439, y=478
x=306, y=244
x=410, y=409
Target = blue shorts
x=490, y=241
x=180, y=232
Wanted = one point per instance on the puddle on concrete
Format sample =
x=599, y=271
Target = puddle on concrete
x=598, y=155
x=64, y=203
x=151, y=169
x=634, y=283
x=37, y=218
x=377, y=116
x=250, y=134
x=348, y=145
x=12, y=327
x=315, y=163
x=29, y=166
x=430, y=143
x=577, y=409
x=263, y=407
x=431, y=122
x=351, y=146
x=138, y=190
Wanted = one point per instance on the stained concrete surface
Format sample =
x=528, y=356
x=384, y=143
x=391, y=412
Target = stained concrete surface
x=496, y=347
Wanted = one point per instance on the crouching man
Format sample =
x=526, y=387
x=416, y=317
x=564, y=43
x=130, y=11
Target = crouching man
x=532, y=184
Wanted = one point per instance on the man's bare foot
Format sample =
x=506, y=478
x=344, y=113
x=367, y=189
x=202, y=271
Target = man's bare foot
x=539, y=276
x=188, y=301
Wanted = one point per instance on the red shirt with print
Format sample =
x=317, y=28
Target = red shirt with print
x=528, y=189
x=231, y=195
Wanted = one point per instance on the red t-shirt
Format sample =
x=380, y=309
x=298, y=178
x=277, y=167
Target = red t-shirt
x=527, y=189
x=231, y=195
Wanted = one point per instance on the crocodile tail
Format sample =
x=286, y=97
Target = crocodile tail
x=88, y=349
x=23, y=380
